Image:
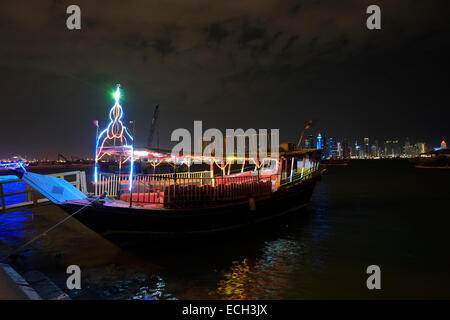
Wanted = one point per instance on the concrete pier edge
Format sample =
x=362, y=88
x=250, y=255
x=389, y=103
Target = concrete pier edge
x=14, y=287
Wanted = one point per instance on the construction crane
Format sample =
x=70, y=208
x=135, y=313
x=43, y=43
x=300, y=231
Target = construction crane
x=60, y=156
x=48, y=156
x=152, y=127
x=308, y=125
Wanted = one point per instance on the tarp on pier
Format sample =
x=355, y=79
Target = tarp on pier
x=54, y=189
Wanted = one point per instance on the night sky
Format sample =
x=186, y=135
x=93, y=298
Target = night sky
x=233, y=64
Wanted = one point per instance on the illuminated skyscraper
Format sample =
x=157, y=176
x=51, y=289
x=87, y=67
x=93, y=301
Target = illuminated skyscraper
x=345, y=149
x=331, y=148
x=408, y=149
x=392, y=149
x=373, y=151
x=319, y=141
x=358, y=152
x=420, y=147
x=388, y=151
x=396, y=149
x=366, y=148
x=376, y=149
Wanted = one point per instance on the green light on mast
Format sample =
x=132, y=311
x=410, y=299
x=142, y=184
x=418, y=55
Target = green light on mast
x=117, y=93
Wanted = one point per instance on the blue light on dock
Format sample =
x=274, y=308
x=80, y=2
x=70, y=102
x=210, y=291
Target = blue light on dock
x=11, y=187
x=13, y=165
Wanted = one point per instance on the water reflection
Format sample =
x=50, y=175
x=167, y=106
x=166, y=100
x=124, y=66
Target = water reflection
x=115, y=282
x=155, y=292
x=265, y=277
x=286, y=266
x=237, y=282
x=270, y=275
x=15, y=230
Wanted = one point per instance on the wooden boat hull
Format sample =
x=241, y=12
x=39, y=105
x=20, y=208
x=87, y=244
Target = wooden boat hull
x=187, y=222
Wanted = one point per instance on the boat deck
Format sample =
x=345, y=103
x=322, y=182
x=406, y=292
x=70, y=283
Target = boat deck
x=119, y=204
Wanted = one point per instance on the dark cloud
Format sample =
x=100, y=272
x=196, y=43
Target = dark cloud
x=249, y=35
x=163, y=46
x=295, y=8
x=250, y=63
x=289, y=43
x=216, y=33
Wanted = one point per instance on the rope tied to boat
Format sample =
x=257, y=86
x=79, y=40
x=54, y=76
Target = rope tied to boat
x=99, y=199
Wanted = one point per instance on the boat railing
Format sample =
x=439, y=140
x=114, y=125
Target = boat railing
x=15, y=193
x=184, y=191
x=115, y=184
x=297, y=177
x=179, y=175
x=20, y=193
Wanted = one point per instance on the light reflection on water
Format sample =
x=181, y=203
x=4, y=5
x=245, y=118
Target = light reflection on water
x=262, y=279
x=284, y=264
x=15, y=230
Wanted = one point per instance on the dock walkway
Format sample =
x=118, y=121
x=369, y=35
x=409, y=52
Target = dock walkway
x=33, y=286
x=13, y=286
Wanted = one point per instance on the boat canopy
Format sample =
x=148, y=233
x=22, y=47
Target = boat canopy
x=55, y=189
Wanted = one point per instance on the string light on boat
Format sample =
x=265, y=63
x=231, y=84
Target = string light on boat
x=141, y=153
x=14, y=165
x=115, y=129
x=115, y=139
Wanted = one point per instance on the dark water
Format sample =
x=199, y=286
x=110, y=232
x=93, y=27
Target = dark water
x=382, y=212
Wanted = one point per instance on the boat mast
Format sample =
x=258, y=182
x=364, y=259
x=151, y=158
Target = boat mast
x=308, y=125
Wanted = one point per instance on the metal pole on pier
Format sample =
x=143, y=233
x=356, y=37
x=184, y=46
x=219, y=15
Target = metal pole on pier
x=303, y=166
x=96, y=164
x=119, y=180
x=211, y=172
x=132, y=163
x=292, y=169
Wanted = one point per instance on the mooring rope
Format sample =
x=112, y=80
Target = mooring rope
x=53, y=227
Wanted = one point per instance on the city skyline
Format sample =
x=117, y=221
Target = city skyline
x=342, y=146
x=368, y=147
